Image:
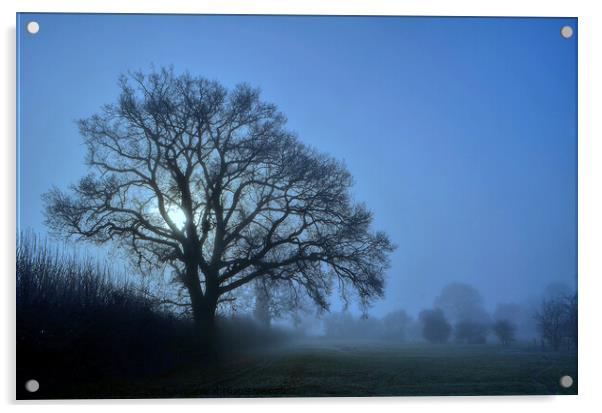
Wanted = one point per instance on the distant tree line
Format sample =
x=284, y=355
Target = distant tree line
x=395, y=326
x=459, y=315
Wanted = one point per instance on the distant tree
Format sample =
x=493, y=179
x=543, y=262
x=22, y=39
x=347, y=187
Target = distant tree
x=395, y=325
x=255, y=202
x=262, y=312
x=551, y=321
x=462, y=302
x=273, y=300
x=505, y=331
x=298, y=309
x=471, y=332
x=519, y=315
x=435, y=327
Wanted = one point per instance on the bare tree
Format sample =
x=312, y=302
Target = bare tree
x=551, y=321
x=255, y=201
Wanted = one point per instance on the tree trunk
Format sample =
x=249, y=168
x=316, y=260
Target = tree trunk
x=203, y=313
x=203, y=305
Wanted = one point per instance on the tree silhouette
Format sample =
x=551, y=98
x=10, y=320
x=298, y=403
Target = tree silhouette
x=435, y=327
x=462, y=302
x=255, y=201
x=551, y=321
x=505, y=331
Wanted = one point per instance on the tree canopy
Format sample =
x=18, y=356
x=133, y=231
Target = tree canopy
x=462, y=302
x=256, y=201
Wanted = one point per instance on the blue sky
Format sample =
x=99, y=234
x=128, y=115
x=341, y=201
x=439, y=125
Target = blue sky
x=461, y=133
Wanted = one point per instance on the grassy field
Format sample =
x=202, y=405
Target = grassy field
x=359, y=368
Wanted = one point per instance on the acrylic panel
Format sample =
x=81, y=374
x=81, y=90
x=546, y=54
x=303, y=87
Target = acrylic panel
x=295, y=206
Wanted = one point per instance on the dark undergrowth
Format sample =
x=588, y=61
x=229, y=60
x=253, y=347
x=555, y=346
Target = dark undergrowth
x=77, y=324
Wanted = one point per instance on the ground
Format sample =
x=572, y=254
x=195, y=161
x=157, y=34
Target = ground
x=359, y=368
